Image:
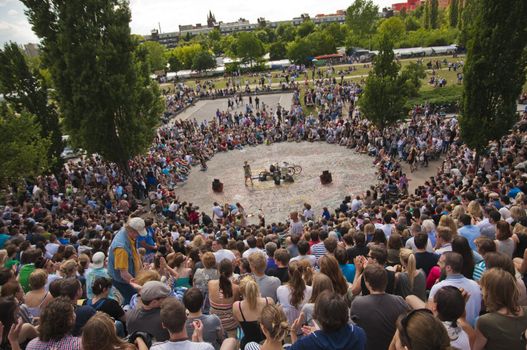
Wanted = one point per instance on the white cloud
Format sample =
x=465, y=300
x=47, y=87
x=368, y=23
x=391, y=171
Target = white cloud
x=12, y=12
x=4, y=3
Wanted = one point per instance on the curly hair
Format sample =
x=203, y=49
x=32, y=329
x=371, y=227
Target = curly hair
x=56, y=320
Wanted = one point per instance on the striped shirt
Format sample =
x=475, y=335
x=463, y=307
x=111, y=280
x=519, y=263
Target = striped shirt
x=479, y=269
x=69, y=342
x=318, y=250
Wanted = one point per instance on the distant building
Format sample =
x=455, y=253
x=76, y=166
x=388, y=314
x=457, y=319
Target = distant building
x=31, y=50
x=241, y=25
x=409, y=5
x=339, y=17
x=171, y=39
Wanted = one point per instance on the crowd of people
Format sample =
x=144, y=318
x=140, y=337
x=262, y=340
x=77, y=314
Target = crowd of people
x=97, y=258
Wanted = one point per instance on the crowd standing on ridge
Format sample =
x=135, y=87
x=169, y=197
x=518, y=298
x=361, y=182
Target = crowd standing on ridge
x=92, y=258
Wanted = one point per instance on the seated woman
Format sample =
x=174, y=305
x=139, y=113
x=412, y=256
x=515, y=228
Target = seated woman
x=274, y=326
x=37, y=298
x=499, y=328
x=99, y=334
x=101, y=302
x=331, y=316
x=295, y=293
x=15, y=331
x=247, y=311
x=419, y=329
x=56, y=324
x=222, y=295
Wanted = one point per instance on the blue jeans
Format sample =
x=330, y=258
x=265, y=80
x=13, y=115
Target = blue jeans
x=126, y=290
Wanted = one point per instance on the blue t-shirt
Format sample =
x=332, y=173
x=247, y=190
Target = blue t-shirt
x=149, y=239
x=348, y=270
x=349, y=337
x=3, y=238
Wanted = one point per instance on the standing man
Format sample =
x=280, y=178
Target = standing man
x=247, y=172
x=123, y=260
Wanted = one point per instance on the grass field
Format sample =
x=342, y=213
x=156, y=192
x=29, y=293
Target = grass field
x=360, y=71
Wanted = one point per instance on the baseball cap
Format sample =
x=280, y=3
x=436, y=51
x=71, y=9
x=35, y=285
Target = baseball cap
x=137, y=224
x=153, y=290
x=98, y=260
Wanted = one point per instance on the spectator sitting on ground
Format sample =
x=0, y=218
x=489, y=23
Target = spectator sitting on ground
x=331, y=314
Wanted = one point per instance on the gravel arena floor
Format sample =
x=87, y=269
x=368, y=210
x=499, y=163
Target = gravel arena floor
x=352, y=173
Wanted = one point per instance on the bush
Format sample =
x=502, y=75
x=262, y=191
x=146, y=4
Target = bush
x=448, y=95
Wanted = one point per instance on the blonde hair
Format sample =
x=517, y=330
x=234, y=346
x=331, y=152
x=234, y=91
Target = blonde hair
x=38, y=279
x=474, y=209
x=274, y=321
x=250, y=291
x=408, y=261
x=146, y=276
x=3, y=256
x=369, y=229
x=457, y=212
x=69, y=268
x=209, y=260
x=447, y=221
x=517, y=213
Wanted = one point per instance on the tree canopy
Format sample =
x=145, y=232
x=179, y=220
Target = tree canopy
x=494, y=72
x=26, y=91
x=109, y=103
x=24, y=151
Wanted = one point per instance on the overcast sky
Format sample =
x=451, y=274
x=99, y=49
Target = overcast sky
x=146, y=14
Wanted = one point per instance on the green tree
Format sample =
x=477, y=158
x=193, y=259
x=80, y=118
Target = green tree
x=202, y=61
x=494, y=72
x=156, y=55
x=361, y=17
x=393, y=27
x=25, y=90
x=453, y=13
x=337, y=31
x=286, y=32
x=174, y=63
x=411, y=76
x=277, y=50
x=383, y=99
x=299, y=51
x=306, y=28
x=109, y=103
x=411, y=23
x=434, y=14
x=24, y=151
x=248, y=47
x=321, y=43
x=426, y=15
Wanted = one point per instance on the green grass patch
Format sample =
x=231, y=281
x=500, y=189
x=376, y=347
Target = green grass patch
x=437, y=96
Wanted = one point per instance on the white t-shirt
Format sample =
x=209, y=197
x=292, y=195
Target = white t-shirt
x=224, y=254
x=311, y=258
x=182, y=345
x=283, y=296
x=249, y=251
x=217, y=211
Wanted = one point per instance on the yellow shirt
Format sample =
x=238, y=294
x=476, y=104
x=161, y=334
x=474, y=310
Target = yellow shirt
x=121, y=258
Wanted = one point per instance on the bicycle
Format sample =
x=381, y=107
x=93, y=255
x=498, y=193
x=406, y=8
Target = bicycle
x=291, y=169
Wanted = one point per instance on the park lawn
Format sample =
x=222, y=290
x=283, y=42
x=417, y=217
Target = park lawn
x=361, y=69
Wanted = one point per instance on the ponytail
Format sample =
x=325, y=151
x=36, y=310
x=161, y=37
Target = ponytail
x=296, y=283
x=225, y=270
x=410, y=269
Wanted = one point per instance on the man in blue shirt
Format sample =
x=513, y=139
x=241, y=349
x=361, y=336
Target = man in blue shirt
x=469, y=231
